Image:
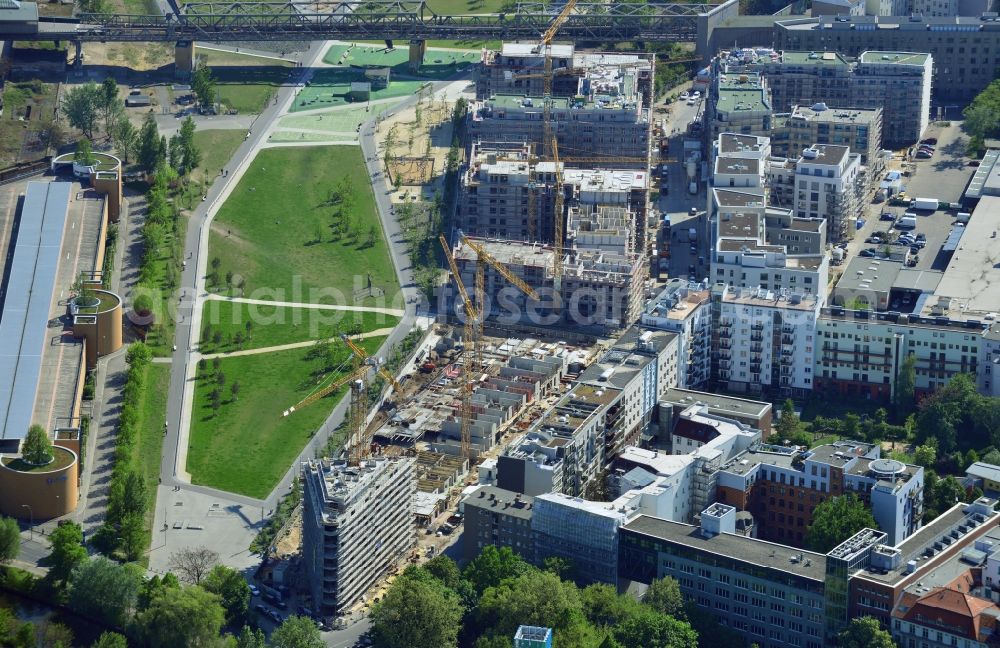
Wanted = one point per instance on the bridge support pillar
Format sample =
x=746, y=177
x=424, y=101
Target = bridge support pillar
x=417, y=50
x=78, y=58
x=184, y=58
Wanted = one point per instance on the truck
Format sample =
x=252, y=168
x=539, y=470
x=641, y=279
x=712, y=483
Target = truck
x=928, y=204
x=908, y=221
x=963, y=217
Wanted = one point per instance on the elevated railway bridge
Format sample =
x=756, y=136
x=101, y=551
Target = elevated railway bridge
x=389, y=20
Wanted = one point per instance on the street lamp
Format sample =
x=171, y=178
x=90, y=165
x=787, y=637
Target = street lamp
x=31, y=521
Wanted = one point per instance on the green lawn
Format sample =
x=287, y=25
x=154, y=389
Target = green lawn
x=276, y=325
x=267, y=230
x=343, y=120
x=217, y=147
x=243, y=82
x=247, y=445
x=149, y=442
x=330, y=86
x=452, y=7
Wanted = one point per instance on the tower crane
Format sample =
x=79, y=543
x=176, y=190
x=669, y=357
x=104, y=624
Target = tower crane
x=558, y=229
x=473, y=332
x=504, y=271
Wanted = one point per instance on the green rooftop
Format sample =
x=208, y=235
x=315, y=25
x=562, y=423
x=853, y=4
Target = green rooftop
x=813, y=58
x=898, y=58
x=741, y=101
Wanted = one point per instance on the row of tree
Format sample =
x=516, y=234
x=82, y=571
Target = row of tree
x=982, y=117
x=155, y=612
x=124, y=527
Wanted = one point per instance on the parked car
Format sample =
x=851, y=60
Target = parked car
x=921, y=236
x=873, y=239
x=254, y=590
x=684, y=95
x=260, y=607
x=690, y=101
x=887, y=216
x=923, y=155
x=914, y=250
x=696, y=94
x=867, y=253
x=973, y=163
x=929, y=140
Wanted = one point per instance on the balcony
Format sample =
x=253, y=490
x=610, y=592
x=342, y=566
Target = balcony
x=787, y=328
x=786, y=370
x=787, y=339
x=786, y=360
x=757, y=326
x=723, y=374
x=757, y=337
x=725, y=364
x=755, y=368
x=726, y=344
x=725, y=334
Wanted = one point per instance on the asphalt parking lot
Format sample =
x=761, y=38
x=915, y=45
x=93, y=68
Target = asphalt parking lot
x=945, y=177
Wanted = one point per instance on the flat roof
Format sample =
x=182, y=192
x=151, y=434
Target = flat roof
x=864, y=273
x=919, y=280
x=835, y=115
x=501, y=500
x=736, y=547
x=813, y=58
x=826, y=154
x=984, y=471
x=972, y=279
x=718, y=402
x=734, y=198
x=986, y=179
x=742, y=100
x=895, y=58
x=739, y=143
x=27, y=306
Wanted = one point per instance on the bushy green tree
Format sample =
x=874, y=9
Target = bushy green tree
x=836, y=520
x=203, y=85
x=234, y=591
x=417, y=612
x=84, y=154
x=37, y=447
x=664, y=596
x=10, y=539
x=81, y=105
x=105, y=591
x=297, y=632
x=186, y=616
x=492, y=566
x=251, y=638
x=110, y=640
x=151, y=153
x=652, y=629
x=67, y=551
x=865, y=632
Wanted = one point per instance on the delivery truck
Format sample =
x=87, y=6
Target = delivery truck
x=927, y=204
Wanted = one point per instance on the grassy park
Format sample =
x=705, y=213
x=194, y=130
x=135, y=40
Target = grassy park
x=246, y=445
x=217, y=147
x=149, y=440
x=245, y=82
x=283, y=229
x=277, y=325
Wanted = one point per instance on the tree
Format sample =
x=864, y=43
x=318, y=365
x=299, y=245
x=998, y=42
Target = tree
x=155, y=587
x=788, y=423
x=925, y=455
x=54, y=635
x=190, y=155
x=106, y=591
x=664, y=596
x=80, y=105
x=175, y=153
x=652, y=629
x=492, y=566
x=149, y=151
x=234, y=591
x=193, y=563
x=10, y=540
x=36, y=447
x=84, y=155
x=110, y=640
x=417, y=612
x=133, y=534
x=251, y=638
x=125, y=137
x=906, y=384
x=109, y=105
x=67, y=551
x=865, y=632
x=534, y=598
x=836, y=520
x=203, y=85
x=603, y=606
x=186, y=616
x=297, y=632
x=234, y=389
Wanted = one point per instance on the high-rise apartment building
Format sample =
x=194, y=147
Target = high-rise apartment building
x=357, y=521
x=859, y=130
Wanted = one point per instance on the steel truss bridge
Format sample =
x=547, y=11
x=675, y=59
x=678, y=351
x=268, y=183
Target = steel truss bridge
x=374, y=20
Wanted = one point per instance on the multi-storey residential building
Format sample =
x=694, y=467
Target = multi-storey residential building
x=964, y=49
x=799, y=235
x=763, y=340
x=782, y=486
x=740, y=103
x=859, y=130
x=838, y=7
x=897, y=82
x=951, y=8
x=740, y=160
x=506, y=193
x=860, y=353
x=602, y=277
x=744, y=259
x=607, y=115
x=772, y=594
x=751, y=413
x=829, y=185
x=356, y=522
x=612, y=402
x=518, y=68
x=684, y=309
x=989, y=359
x=498, y=517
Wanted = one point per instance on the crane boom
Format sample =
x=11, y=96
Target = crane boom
x=361, y=353
x=473, y=332
x=550, y=33
x=502, y=269
x=470, y=308
x=357, y=374
x=558, y=218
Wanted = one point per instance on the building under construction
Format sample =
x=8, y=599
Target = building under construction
x=356, y=522
x=506, y=193
x=601, y=285
x=519, y=69
x=606, y=114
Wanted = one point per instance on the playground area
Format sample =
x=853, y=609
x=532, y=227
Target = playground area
x=412, y=170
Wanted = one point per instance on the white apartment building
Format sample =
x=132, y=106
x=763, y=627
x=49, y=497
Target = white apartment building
x=605, y=411
x=763, y=340
x=887, y=7
x=829, y=184
x=684, y=309
x=356, y=522
x=860, y=353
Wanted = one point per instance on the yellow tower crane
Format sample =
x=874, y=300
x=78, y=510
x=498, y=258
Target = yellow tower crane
x=473, y=333
x=504, y=271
